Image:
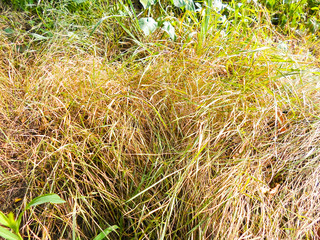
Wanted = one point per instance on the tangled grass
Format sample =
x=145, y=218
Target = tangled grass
x=221, y=143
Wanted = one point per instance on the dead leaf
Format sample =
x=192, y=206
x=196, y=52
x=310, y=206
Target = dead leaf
x=274, y=191
x=282, y=122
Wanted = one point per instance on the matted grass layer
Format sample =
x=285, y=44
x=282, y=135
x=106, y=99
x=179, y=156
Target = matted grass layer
x=218, y=144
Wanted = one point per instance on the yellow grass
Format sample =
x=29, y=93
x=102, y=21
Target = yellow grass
x=178, y=144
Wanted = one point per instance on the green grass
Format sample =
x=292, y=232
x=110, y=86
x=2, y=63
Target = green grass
x=212, y=136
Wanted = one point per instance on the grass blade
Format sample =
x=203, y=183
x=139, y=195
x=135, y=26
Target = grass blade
x=106, y=232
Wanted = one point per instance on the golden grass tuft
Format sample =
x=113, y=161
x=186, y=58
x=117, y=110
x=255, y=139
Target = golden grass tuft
x=222, y=144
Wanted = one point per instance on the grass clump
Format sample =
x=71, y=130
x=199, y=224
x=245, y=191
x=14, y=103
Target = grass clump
x=212, y=136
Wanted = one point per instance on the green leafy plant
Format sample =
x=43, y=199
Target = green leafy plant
x=147, y=3
x=149, y=25
x=188, y=4
x=11, y=223
x=294, y=15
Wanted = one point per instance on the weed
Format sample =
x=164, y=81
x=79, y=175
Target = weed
x=14, y=224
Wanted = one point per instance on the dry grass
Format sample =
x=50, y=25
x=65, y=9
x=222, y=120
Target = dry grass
x=222, y=144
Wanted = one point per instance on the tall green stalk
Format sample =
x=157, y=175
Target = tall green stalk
x=205, y=24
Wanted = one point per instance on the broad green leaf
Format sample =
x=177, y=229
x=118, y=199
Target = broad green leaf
x=148, y=25
x=4, y=219
x=217, y=5
x=179, y=3
x=105, y=232
x=8, y=31
x=167, y=27
x=6, y=234
x=47, y=198
x=188, y=4
x=147, y=3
